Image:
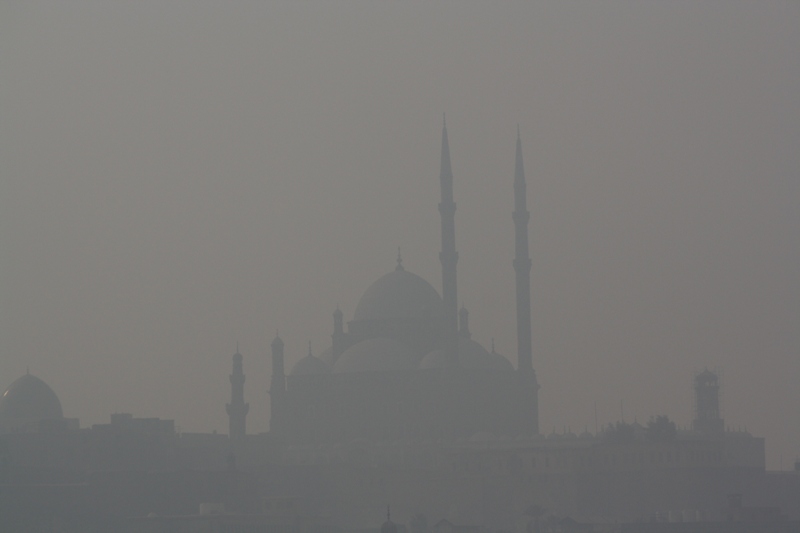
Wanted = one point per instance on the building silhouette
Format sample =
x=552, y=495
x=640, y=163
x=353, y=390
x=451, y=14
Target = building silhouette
x=403, y=407
x=405, y=366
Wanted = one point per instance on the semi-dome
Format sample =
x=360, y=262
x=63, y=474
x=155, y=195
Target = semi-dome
x=375, y=355
x=470, y=355
x=399, y=294
x=310, y=365
x=29, y=398
x=327, y=356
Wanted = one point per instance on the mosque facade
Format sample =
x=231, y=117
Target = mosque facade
x=405, y=366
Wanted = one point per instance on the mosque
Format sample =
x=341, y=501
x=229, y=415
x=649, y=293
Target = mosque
x=402, y=389
x=406, y=367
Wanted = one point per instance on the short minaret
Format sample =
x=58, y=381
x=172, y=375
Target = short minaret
x=448, y=256
x=522, y=267
x=277, y=391
x=237, y=409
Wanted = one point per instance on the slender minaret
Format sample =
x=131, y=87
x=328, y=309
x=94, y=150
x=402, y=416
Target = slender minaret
x=448, y=256
x=277, y=390
x=338, y=343
x=522, y=267
x=237, y=409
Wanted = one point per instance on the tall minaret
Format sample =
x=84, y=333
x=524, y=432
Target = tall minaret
x=522, y=267
x=277, y=390
x=448, y=256
x=338, y=339
x=237, y=409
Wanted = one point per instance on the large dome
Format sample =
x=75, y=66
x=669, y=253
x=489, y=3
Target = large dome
x=399, y=294
x=470, y=355
x=29, y=399
x=375, y=355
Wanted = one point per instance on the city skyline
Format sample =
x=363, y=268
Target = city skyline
x=178, y=180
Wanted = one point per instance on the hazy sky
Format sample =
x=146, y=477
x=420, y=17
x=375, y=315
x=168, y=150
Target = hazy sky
x=177, y=177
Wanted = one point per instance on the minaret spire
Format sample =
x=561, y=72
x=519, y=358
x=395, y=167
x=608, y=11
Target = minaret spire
x=522, y=267
x=448, y=256
x=237, y=409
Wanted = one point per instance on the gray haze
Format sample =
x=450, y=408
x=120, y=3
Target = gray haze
x=178, y=177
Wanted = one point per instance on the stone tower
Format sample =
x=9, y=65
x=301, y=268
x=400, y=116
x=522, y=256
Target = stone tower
x=448, y=256
x=706, y=400
x=522, y=267
x=237, y=409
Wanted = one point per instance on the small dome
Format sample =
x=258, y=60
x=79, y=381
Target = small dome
x=499, y=362
x=399, y=294
x=310, y=365
x=375, y=355
x=29, y=398
x=470, y=355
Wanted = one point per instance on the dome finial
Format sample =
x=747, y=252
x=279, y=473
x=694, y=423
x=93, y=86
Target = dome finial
x=237, y=346
x=493, y=345
x=399, y=260
x=27, y=370
x=388, y=513
x=388, y=526
x=309, y=350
